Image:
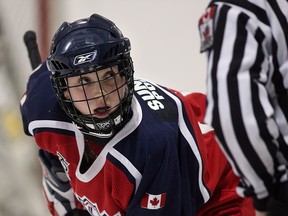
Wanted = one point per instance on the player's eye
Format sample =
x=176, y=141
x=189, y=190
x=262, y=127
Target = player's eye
x=84, y=80
x=109, y=75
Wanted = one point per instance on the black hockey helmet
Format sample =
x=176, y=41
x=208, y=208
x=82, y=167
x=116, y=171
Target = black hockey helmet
x=87, y=46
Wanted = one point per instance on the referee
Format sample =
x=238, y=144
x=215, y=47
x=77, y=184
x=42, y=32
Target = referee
x=247, y=99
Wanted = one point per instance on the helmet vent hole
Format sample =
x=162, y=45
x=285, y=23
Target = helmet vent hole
x=111, y=52
x=59, y=66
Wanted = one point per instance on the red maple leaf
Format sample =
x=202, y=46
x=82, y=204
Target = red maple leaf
x=155, y=201
x=206, y=32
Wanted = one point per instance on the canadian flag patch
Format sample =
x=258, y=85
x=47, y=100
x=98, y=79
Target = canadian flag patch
x=206, y=28
x=151, y=201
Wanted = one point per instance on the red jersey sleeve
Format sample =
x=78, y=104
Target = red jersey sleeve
x=218, y=174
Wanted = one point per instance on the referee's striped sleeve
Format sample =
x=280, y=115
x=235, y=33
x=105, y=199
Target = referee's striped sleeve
x=248, y=58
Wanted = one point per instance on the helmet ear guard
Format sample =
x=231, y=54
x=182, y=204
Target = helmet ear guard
x=87, y=46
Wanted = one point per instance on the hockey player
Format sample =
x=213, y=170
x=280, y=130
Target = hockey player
x=127, y=146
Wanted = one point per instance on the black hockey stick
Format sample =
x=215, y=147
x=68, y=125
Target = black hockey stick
x=32, y=48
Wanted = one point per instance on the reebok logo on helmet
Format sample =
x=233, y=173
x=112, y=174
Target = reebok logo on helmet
x=83, y=58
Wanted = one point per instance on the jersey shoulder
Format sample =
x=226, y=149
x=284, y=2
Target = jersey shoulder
x=39, y=101
x=156, y=101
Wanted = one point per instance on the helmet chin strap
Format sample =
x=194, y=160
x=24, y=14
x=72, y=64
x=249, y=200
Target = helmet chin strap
x=95, y=134
x=117, y=120
x=99, y=135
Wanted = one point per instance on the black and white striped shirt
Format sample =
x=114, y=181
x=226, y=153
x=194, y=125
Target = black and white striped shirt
x=247, y=82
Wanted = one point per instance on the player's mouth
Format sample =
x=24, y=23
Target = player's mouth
x=101, y=112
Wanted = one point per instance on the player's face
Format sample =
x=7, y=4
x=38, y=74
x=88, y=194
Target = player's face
x=97, y=93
